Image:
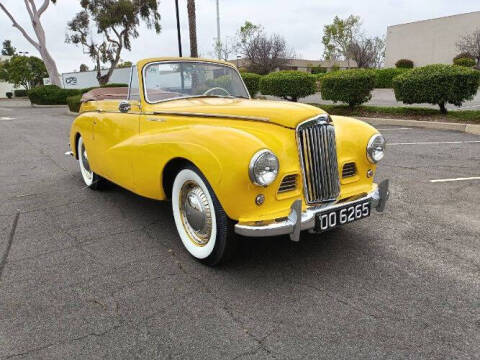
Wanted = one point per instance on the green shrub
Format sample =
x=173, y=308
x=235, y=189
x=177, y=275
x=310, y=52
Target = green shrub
x=252, y=81
x=318, y=80
x=384, y=77
x=50, y=95
x=9, y=94
x=290, y=85
x=74, y=102
x=335, y=68
x=20, y=93
x=404, y=64
x=463, y=56
x=437, y=84
x=466, y=62
x=318, y=70
x=114, y=85
x=352, y=87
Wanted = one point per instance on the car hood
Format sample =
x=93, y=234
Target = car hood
x=284, y=113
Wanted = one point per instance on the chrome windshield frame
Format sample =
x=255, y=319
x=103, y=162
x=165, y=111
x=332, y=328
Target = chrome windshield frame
x=144, y=87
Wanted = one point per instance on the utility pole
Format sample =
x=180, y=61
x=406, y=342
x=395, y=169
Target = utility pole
x=178, y=30
x=219, y=41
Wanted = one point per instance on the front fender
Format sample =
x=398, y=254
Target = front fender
x=222, y=153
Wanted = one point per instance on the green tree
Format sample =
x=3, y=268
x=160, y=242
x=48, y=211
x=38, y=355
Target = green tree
x=124, y=64
x=83, y=68
x=116, y=24
x=8, y=49
x=26, y=71
x=338, y=36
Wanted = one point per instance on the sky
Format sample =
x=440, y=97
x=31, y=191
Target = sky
x=300, y=22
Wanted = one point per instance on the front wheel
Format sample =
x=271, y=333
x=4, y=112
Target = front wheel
x=203, y=226
x=92, y=180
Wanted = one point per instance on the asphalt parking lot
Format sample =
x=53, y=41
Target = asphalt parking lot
x=98, y=275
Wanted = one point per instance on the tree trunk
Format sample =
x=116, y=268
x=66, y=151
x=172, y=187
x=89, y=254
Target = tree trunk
x=51, y=66
x=443, y=108
x=192, y=26
x=40, y=44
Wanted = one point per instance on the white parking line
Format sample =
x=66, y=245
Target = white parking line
x=436, y=143
x=457, y=179
x=394, y=129
x=6, y=118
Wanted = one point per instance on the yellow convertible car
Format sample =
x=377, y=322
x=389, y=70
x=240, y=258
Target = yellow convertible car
x=187, y=131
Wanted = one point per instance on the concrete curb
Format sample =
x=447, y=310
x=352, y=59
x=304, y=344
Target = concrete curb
x=467, y=128
x=68, y=112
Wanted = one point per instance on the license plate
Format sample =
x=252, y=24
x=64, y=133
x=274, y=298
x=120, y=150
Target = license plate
x=329, y=219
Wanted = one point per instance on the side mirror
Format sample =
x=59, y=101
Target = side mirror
x=124, y=106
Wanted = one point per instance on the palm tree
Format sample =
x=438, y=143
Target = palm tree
x=192, y=26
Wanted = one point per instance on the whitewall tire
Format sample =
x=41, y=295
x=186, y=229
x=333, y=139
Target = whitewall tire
x=91, y=180
x=203, y=226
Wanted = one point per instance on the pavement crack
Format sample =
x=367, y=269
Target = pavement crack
x=11, y=235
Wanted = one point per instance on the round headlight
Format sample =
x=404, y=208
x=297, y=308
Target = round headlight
x=376, y=148
x=263, y=168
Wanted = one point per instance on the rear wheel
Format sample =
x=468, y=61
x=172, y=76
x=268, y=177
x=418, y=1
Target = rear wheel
x=204, y=228
x=92, y=180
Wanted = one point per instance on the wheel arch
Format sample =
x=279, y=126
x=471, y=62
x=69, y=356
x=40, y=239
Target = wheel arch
x=170, y=170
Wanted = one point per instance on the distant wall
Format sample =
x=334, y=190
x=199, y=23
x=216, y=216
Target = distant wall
x=81, y=80
x=430, y=41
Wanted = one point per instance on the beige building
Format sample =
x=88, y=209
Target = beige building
x=429, y=41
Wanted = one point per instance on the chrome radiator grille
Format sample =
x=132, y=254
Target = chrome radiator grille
x=318, y=156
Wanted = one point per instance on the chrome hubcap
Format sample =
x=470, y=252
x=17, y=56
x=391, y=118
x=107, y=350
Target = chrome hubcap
x=195, y=213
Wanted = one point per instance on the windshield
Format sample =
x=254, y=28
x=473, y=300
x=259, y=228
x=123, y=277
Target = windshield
x=171, y=80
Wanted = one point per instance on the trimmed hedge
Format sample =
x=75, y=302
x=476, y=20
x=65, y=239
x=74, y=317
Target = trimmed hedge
x=252, y=81
x=404, y=64
x=352, y=87
x=462, y=56
x=318, y=70
x=50, y=95
x=437, y=84
x=290, y=85
x=466, y=62
x=74, y=102
x=20, y=93
x=384, y=77
x=318, y=80
x=53, y=95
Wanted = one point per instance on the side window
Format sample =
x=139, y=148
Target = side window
x=133, y=89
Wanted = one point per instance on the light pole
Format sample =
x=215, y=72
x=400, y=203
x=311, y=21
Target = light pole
x=218, y=31
x=178, y=30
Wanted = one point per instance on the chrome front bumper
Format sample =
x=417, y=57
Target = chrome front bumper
x=298, y=221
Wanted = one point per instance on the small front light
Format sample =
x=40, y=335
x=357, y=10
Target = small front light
x=263, y=168
x=376, y=148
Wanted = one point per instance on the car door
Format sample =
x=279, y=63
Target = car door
x=114, y=131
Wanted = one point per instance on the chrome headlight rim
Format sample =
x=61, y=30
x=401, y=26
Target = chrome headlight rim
x=371, y=148
x=251, y=168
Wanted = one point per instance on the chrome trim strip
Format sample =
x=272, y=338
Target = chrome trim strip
x=205, y=115
x=298, y=221
x=144, y=88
